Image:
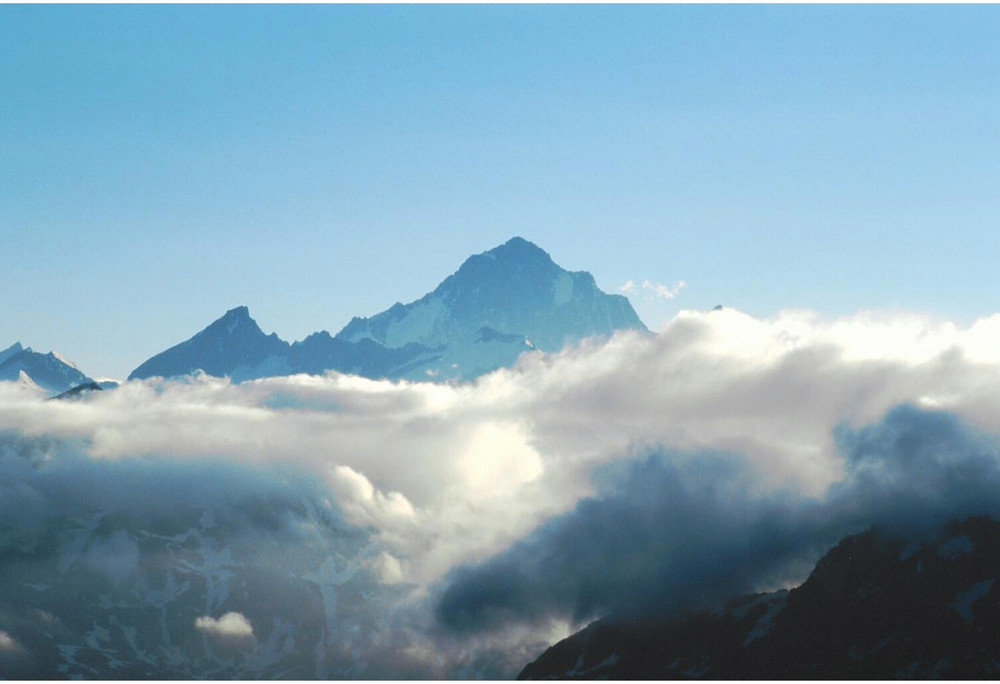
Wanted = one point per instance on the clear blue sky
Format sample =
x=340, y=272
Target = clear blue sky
x=161, y=164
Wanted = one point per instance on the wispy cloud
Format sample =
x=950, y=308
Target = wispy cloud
x=655, y=290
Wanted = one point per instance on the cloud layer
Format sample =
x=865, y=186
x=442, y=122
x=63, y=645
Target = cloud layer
x=453, y=530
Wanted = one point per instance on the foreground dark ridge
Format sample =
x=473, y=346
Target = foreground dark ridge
x=875, y=607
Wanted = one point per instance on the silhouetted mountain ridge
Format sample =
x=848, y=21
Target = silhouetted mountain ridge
x=875, y=607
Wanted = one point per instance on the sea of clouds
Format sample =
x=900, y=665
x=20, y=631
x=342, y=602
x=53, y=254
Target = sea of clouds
x=477, y=523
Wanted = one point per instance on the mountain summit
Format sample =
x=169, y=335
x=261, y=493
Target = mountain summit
x=233, y=345
x=10, y=351
x=498, y=305
x=513, y=289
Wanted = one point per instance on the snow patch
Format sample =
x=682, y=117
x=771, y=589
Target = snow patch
x=765, y=623
x=964, y=600
x=579, y=671
x=59, y=357
x=421, y=324
x=25, y=381
x=955, y=547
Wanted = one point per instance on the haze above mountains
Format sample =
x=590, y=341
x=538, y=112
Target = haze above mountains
x=498, y=305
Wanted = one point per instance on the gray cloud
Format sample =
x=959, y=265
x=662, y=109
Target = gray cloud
x=670, y=535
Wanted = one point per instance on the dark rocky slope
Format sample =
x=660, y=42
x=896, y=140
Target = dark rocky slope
x=875, y=607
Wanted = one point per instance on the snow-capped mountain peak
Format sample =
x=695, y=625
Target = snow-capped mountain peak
x=515, y=290
x=50, y=371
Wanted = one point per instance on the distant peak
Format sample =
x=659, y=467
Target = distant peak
x=10, y=351
x=517, y=249
x=235, y=319
x=519, y=244
x=518, y=241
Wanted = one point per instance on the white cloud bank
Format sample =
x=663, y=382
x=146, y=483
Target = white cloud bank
x=480, y=464
x=448, y=475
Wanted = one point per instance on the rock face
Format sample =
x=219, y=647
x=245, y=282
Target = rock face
x=498, y=305
x=875, y=607
x=49, y=371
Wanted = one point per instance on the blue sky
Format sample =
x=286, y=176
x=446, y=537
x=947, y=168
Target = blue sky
x=161, y=164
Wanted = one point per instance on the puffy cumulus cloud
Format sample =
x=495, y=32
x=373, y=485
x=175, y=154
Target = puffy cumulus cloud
x=450, y=494
x=366, y=506
x=232, y=625
x=496, y=459
x=388, y=568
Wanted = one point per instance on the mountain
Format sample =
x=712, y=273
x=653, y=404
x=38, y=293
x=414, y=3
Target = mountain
x=49, y=371
x=320, y=352
x=509, y=299
x=875, y=607
x=10, y=351
x=499, y=304
x=80, y=391
x=233, y=345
